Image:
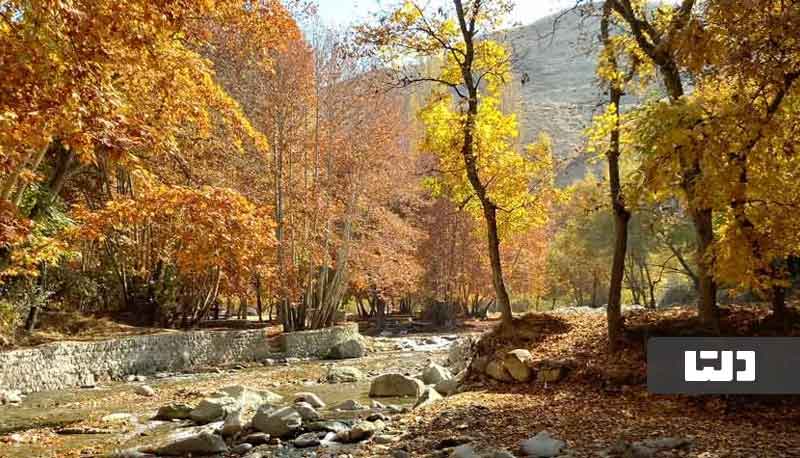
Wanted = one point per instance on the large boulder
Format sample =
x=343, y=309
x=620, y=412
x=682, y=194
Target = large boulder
x=192, y=441
x=428, y=397
x=497, y=370
x=343, y=374
x=518, y=363
x=351, y=348
x=542, y=445
x=214, y=409
x=174, y=411
x=230, y=399
x=306, y=411
x=277, y=422
x=447, y=387
x=396, y=385
x=435, y=373
x=234, y=424
x=461, y=353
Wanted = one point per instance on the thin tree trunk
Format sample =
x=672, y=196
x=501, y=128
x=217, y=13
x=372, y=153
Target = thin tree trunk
x=621, y=214
x=470, y=161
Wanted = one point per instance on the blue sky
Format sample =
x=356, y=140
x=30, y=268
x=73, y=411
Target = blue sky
x=343, y=12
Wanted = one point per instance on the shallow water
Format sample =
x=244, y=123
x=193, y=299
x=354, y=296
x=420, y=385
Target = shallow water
x=40, y=411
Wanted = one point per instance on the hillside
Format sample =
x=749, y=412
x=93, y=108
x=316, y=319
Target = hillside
x=555, y=89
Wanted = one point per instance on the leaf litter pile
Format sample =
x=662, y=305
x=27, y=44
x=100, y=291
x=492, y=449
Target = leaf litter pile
x=603, y=401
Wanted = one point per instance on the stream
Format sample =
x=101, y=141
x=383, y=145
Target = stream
x=99, y=421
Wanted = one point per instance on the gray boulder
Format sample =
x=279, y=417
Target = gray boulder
x=351, y=348
x=447, y=387
x=497, y=370
x=306, y=411
x=277, y=422
x=396, y=385
x=234, y=424
x=343, y=374
x=461, y=353
x=306, y=440
x=428, y=397
x=192, y=441
x=214, y=409
x=174, y=411
x=327, y=426
x=311, y=398
x=542, y=445
x=230, y=399
x=435, y=373
x=242, y=448
x=518, y=364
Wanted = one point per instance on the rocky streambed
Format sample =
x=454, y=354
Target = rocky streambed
x=281, y=407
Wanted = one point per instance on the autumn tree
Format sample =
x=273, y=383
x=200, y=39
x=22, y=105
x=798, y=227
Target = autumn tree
x=473, y=67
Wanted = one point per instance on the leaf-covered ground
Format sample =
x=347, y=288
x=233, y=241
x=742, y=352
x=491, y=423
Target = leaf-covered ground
x=604, y=399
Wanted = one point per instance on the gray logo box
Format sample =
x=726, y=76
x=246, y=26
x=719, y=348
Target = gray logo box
x=723, y=365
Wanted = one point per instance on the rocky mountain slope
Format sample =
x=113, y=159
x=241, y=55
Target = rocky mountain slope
x=555, y=88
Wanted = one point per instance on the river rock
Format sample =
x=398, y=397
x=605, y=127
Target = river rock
x=234, y=424
x=311, y=398
x=343, y=374
x=542, y=445
x=350, y=405
x=213, y=409
x=518, y=364
x=250, y=399
x=428, y=397
x=277, y=422
x=461, y=353
x=497, y=370
x=435, y=373
x=306, y=440
x=192, y=441
x=306, y=411
x=242, y=448
x=256, y=438
x=396, y=385
x=362, y=430
x=447, y=387
x=10, y=397
x=328, y=426
x=351, y=348
x=144, y=390
x=174, y=411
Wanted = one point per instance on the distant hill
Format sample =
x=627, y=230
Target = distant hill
x=555, y=88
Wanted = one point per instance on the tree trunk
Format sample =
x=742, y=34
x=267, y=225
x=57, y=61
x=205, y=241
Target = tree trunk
x=621, y=214
x=470, y=161
x=708, y=287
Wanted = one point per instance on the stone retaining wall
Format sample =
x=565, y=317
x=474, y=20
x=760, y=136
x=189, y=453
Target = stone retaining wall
x=317, y=343
x=72, y=364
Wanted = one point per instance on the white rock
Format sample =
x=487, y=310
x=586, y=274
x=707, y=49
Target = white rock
x=435, y=373
x=145, y=390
